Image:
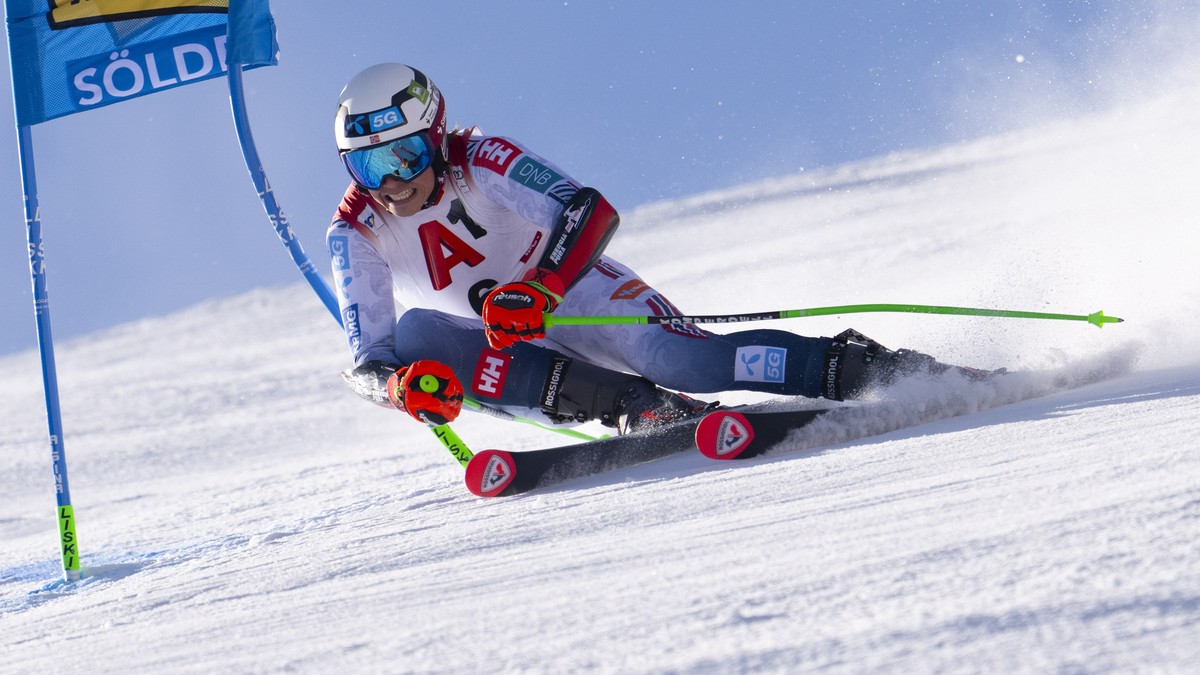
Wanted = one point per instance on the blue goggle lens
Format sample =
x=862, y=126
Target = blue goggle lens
x=404, y=158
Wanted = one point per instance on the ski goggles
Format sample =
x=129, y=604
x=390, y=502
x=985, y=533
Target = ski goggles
x=404, y=159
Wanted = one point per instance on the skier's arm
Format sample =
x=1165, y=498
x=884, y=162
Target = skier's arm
x=515, y=312
x=581, y=233
x=579, y=221
x=364, y=289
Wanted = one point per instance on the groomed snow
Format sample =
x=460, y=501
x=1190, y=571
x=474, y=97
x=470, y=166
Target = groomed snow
x=240, y=511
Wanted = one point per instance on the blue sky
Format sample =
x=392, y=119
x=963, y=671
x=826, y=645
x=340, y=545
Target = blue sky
x=147, y=206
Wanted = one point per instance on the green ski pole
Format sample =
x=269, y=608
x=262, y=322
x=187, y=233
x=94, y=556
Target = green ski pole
x=459, y=450
x=1097, y=319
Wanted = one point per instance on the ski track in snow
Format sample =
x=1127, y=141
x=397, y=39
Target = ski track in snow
x=240, y=511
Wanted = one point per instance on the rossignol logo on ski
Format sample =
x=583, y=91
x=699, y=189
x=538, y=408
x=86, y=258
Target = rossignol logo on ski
x=724, y=435
x=489, y=472
x=732, y=436
x=496, y=472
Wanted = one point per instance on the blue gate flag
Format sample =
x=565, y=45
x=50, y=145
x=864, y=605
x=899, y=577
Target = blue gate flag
x=68, y=56
x=251, y=34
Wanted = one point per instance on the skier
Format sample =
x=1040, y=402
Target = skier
x=449, y=246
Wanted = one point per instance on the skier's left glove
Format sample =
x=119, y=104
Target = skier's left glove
x=370, y=381
x=426, y=390
x=514, y=312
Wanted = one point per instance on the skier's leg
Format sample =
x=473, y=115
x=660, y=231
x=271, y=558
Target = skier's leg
x=842, y=367
x=682, y=357
x=504, y=379
x=686, y=358
x=531, y=376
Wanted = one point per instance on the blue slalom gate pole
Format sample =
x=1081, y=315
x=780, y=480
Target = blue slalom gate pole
x=241, y=123
x=68, y=540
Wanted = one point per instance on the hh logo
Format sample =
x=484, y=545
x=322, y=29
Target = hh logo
x=760, y=364
x=490, y=373
x=496, y=154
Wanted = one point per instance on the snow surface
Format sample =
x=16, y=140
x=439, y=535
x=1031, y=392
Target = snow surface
x=240, y=511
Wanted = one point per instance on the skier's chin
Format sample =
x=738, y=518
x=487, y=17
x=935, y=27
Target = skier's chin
x=408, y=208
x=402, y=203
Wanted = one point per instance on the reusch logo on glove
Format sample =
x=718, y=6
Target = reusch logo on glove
x=510, y=299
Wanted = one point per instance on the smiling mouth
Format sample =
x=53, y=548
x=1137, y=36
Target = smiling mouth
x=401, y=196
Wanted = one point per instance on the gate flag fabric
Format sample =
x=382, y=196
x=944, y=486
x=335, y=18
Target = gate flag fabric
x=69, y=56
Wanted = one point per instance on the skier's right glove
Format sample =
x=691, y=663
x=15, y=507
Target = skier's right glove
x=426, y=390
x=516, y=312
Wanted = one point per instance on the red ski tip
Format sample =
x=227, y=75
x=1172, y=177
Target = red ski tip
x=723, y=435
x=489, y=472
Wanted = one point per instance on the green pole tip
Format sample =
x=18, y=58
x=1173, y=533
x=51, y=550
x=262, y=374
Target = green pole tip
x=1098, y=319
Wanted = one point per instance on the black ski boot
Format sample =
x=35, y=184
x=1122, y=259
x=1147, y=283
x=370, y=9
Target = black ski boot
x=578, y=391
x=854, y=363
x=640, y=409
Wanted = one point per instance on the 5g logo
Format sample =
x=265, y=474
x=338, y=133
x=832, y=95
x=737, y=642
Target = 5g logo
x=386, y=119
x=761, y=364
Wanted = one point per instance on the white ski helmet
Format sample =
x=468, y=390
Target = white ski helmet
x=386, y=102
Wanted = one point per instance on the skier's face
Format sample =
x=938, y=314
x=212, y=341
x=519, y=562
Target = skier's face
x=405, y=199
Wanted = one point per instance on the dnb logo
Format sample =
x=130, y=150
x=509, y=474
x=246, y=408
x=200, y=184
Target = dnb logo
x=760, y=364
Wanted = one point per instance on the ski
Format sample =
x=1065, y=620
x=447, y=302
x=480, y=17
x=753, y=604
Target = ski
x=497, y=473
x=733, y=433
x=742, y=432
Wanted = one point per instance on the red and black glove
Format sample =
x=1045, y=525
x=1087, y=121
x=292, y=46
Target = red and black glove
x=514, y=312
x=426, y=390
